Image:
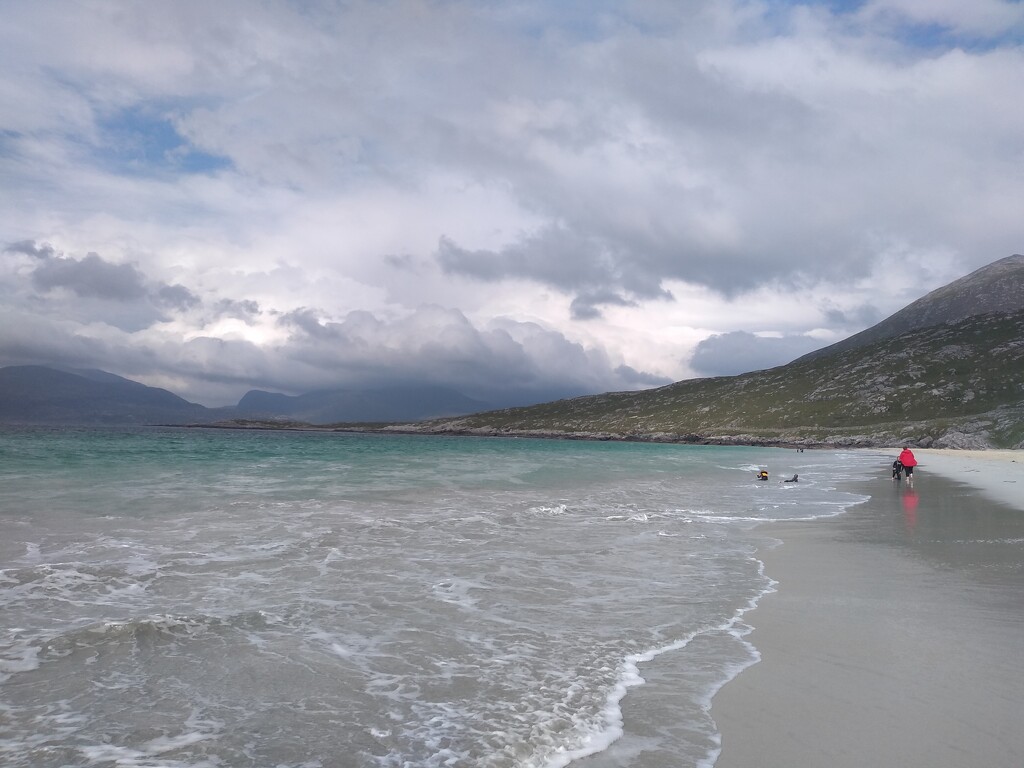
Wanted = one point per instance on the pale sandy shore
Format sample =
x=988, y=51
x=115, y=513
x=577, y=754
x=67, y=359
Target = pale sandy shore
x=896, y=635
x=998, y=475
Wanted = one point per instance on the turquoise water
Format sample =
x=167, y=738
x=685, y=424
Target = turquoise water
x=194, y=598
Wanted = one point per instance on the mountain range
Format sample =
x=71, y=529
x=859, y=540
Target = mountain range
x=33, y=394
x=386, y=404
x=947, y=370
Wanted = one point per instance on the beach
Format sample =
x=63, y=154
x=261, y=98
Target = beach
x=896, y=631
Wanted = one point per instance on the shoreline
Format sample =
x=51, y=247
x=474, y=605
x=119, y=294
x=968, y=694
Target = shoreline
x=830, y=442
x=996, y=473
x=893, y=634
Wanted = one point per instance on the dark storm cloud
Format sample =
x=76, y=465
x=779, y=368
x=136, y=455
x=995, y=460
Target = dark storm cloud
x=859, y=317
x=640, y=379
x=91, y=277
x=728, y=354
x=308, y=321
x=175, y=297
x=587, y=306
x=30, y=248
x=556, y=256
x=30, y=339
x=97, y=290
x=245, y=309
x=508, y=363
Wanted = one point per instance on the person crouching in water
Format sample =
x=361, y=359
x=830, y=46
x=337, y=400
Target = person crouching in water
x=762, y=475
x=897, y=470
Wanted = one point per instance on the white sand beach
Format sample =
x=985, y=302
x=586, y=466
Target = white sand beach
x=997, y=474
x=895, y=634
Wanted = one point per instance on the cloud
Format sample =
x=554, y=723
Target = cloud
x=30, y=248
x=245, y=310
x=91, y=277
x=728, y=354
x=308, y=321
x=575, y=263
x=175, y=297
x=587, y=306
x=93, y=289
x=634, y=379
x=863, y=316
x=504, y=363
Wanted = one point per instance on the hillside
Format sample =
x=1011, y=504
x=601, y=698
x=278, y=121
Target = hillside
x=34, y=394
x=393, y=403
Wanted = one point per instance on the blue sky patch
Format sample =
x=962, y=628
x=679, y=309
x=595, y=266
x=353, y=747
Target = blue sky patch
x=927, y=36
x=141, y=141
x=941, y=37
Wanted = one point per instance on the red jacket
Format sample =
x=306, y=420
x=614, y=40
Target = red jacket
x=907, y=458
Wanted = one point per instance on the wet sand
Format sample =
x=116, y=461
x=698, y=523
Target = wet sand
x=896, y=635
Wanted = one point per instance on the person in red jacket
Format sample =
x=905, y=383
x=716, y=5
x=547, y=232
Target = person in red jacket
x=909, y=462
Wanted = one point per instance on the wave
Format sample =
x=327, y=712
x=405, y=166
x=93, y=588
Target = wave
x=557, y=509
x=198, y=729
x=72, y=580
x=591, y=737
x=17, y=655
x=169, y=626
x=22, y=651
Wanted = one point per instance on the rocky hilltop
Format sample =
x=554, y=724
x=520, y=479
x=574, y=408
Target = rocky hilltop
x=946, y=371
x=998, y=287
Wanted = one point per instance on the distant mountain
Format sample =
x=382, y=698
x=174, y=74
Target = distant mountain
x=948, y=370
x=386, y=404
x=34, y=394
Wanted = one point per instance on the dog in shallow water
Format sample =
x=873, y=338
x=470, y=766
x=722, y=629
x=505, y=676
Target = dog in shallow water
x=793, y=479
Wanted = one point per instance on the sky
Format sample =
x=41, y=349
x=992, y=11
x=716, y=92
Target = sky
x=520, y=200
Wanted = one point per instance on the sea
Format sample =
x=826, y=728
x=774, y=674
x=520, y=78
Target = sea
x=213, y=598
